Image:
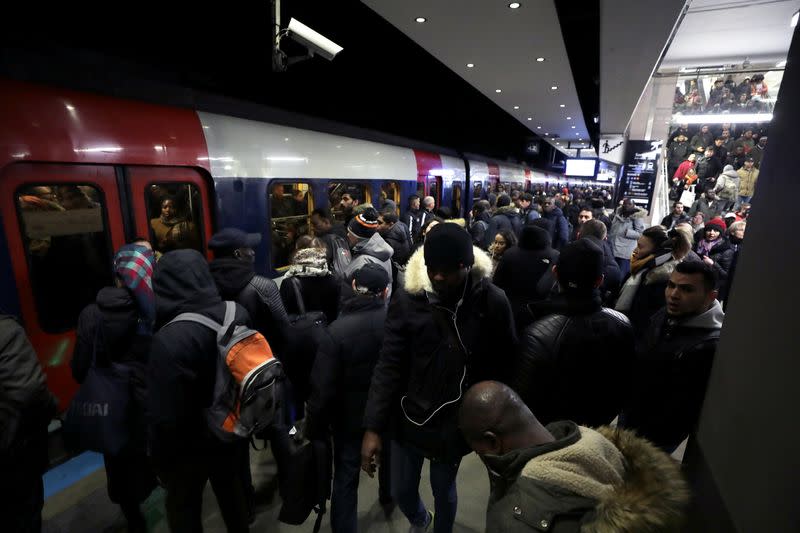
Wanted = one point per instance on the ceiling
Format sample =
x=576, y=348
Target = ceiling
x=717, y=32
x=632, y=38
x=503, y=45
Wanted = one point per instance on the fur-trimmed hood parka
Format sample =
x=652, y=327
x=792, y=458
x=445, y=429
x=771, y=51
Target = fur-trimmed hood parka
x=588, y=481
x=432, y=352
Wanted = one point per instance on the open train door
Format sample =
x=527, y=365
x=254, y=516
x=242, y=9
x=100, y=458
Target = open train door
x=171, y=207
x=62, y=223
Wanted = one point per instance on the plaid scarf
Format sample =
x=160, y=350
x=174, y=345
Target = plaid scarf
x=133, y=266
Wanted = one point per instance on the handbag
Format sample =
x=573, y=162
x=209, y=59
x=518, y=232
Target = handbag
x=98, y=416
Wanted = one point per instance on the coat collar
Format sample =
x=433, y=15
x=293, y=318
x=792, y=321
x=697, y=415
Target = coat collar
x=418, y=283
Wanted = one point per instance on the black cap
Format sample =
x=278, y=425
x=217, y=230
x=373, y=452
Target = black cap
x=232, y=238
x=579, y=265
x=372, y=277
x=448, y=247
x=749, y=159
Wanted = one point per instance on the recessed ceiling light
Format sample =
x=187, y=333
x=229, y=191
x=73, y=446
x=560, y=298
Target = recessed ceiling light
x=547, y=133
x=538, y=127
x=70, y=108
x=420, y=19
x=573, y=127
x=470, y=65
x=516, y=107
x=554, y=87
x=569, y=118
x=561, y=105
x=286, y=139
x=514, y=5
x=530, y=118
x=539, y=59
x=498, y=90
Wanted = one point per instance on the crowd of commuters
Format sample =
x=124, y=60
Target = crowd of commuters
x=522, y=335
x=750, y=94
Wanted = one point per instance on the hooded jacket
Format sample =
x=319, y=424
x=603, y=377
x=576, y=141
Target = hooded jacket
x=747, y=181
x=709, y=208
x=559, y=228
x=648, y=296
x=587, y=481
x=479, y=227
x=670, y=375
x=722, y=255
x=520, y=270
x=26, y=404
x=183, y=357
x=727, y=187
x=237, y=281
x=506, y=218
x=372, y=250
x=431, y=354
x=581, y=347
x=625, y=232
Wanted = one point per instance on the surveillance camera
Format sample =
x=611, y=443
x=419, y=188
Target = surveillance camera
x=313, y=41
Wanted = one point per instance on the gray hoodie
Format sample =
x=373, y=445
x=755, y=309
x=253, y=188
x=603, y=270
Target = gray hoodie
x=372, y=250
x=711, y=319
x=728, y=185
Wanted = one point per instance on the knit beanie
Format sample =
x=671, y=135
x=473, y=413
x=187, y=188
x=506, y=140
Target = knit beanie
x=448, y=247
x=365, y=224
x=717, y=223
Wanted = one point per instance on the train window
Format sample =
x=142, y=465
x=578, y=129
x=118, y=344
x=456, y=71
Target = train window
x=421, y=190
x=477, y=192
x=456, y=199
x=290, y=207
x=433, y=189
x=344, y=196
x=68, y=250
x=174, y=211
x=390, y=191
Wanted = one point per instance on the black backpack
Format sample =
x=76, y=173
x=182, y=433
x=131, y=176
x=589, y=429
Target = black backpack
x=306, y=486
x=305, y=330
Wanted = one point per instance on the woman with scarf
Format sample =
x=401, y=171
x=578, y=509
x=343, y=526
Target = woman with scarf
x=318, y=287
x=118, y=328
x=715, y=250
x=172, y=230
x=652, y=262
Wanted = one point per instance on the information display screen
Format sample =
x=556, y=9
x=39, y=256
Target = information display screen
x=581, y=167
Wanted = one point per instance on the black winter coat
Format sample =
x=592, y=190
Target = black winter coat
x=574, y=363
x=343, y=367
x=478, y=229
x=722, y=255
x=183, y=358
x=504, y=219
x=612, y=275
x=520, y=270
x=431, y=354
x=26, y=405
x=398, y=240
x=559, y=228
x=670, y=375
x=237, y=282
x=649, y=296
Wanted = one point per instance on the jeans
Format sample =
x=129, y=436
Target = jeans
x=406, y=471
x=624, y=266
x=185, y=479
x=742, y=200
x=346, y=471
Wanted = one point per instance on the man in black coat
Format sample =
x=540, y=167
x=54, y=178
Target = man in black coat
x=612, y=276
x=506, y=218
x=26, y=407
x=237, y=281
x=340, y=381
x=559, y=232
x=574, y=361
x=435, y=345
x=673, y=363
x=520, y=270
x=415, y=218
x=180, y=383
x=677, y=216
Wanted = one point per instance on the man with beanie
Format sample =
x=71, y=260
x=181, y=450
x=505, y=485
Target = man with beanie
x=236, y=280
x=366, y=246
x=435, y=345
x=505, y=218
x=340, y=380
x=573, y=362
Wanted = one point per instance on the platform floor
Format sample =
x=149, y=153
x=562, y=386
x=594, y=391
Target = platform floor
x=83, y=506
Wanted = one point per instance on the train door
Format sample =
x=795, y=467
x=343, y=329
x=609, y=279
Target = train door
x=456, y=197
x=171, y=207
x=435, y=189
x=62, y=225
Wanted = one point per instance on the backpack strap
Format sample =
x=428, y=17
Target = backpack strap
x=220, y=329
x=301, y=306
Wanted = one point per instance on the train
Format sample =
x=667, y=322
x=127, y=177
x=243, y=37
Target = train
x=81, y=174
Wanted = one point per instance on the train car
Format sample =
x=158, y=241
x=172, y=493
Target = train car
x=82, y=174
